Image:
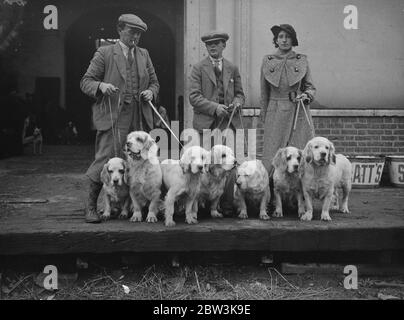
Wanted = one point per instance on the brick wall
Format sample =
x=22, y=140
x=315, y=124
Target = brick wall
x=363, y=135
x=359, y=135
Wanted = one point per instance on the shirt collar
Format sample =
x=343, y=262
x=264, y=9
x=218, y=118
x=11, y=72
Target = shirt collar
x=220, y=60
x=124, y=47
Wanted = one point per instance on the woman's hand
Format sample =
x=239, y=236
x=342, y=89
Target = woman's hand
x=303, y=96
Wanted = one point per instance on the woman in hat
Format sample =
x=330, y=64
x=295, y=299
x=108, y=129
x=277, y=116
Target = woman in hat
x=285, y=79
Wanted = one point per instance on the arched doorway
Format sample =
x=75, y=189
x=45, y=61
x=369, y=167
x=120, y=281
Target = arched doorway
x=81, y=45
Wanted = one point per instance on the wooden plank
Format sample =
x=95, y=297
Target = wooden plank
x=338, y=269
x=223, y=236
x=376, y=221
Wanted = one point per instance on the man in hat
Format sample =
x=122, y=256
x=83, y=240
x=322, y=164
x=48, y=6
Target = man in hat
x=122, y=79
x=215, y=88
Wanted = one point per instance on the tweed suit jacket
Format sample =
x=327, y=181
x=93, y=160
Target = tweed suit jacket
x=109, y=65
x=204, y=92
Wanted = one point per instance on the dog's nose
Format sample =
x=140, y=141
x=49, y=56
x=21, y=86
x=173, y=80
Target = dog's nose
x=296, y=166
x=115, y=181
x=323, y=154
x=200, y=167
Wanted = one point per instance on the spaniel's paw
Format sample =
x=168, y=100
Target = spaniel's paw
x=325, y=216
x=151, y=218
x=264, y=216
x=124, y=215
x=307, y=216
x=169, y=223
x=191, y=220
x=216, y=214
x=243, y=215
x=106, y=216
x=137, y=217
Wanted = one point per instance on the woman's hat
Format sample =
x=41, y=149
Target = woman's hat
x=288, y=29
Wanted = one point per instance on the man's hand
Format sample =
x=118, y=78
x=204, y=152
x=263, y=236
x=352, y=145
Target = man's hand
x=147, y=95
x=108, y=89
x=221, y=111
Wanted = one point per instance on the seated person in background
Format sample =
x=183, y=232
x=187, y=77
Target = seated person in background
x=31, y=133
x=70, y=134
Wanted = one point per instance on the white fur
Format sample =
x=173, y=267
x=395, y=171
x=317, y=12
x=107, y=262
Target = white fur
x=222, y=160
x=287, y=185
x=183, y=180
x=322, y=172
x=253, y=184
x=144, y=176
x=116, y=191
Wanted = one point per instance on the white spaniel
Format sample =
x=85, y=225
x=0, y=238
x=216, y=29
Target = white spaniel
x=182, y=179
x=287, y=184
x=116, y=191
x=222, y=160
x=322, y=172
x=252, y=184
x=144, y=175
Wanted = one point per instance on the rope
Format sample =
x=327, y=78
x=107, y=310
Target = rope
x=114, y=128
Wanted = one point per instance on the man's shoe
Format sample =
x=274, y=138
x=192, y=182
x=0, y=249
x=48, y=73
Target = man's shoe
x=91, y=214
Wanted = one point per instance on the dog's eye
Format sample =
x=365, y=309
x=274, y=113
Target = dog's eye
x=223, y=156
x=109, y=171
x=298, y=158
x=288, y=158
x=121, y=171
x=138, y=139
x=315, y=147
x=327, y=147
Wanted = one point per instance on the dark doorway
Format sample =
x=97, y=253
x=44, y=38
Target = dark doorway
x=81, y=45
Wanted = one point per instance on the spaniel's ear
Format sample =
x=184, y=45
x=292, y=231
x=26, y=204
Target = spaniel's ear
x=300, y=153
x=308, y=153
x=279, y=161
x=149, y=142
x=185, y=166
x=126, y=173
x=105, y=177
x=331, y=156
x=185, y=161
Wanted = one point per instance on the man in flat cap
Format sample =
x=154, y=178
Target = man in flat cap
x=215, y=89
x=122, y=79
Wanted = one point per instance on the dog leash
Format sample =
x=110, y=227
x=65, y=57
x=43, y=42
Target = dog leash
x=242, y=127
x=299, y=105
x=114, y=128
x=165, y=123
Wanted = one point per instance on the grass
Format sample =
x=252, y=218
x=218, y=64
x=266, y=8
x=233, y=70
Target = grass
x=184, y=283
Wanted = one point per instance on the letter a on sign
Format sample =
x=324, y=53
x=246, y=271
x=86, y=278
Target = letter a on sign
x=351, y=20
x=351, y=280
x=51, y=280
x=51, y=20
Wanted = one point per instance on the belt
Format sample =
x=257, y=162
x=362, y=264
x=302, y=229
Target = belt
x=291, y=96
x=128, y=98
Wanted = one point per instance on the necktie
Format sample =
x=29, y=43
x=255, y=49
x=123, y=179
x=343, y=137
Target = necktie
x=130, y=57
x=216, y=67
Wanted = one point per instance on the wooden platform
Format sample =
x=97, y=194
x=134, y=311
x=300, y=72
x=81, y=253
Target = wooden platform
x=41, y=202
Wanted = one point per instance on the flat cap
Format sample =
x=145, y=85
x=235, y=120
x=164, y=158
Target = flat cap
x=215, y=35
x=133, y=21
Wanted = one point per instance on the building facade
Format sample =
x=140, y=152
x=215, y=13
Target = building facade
x=355, y=52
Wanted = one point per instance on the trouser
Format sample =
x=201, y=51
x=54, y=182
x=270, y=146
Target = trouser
x=107, y=143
